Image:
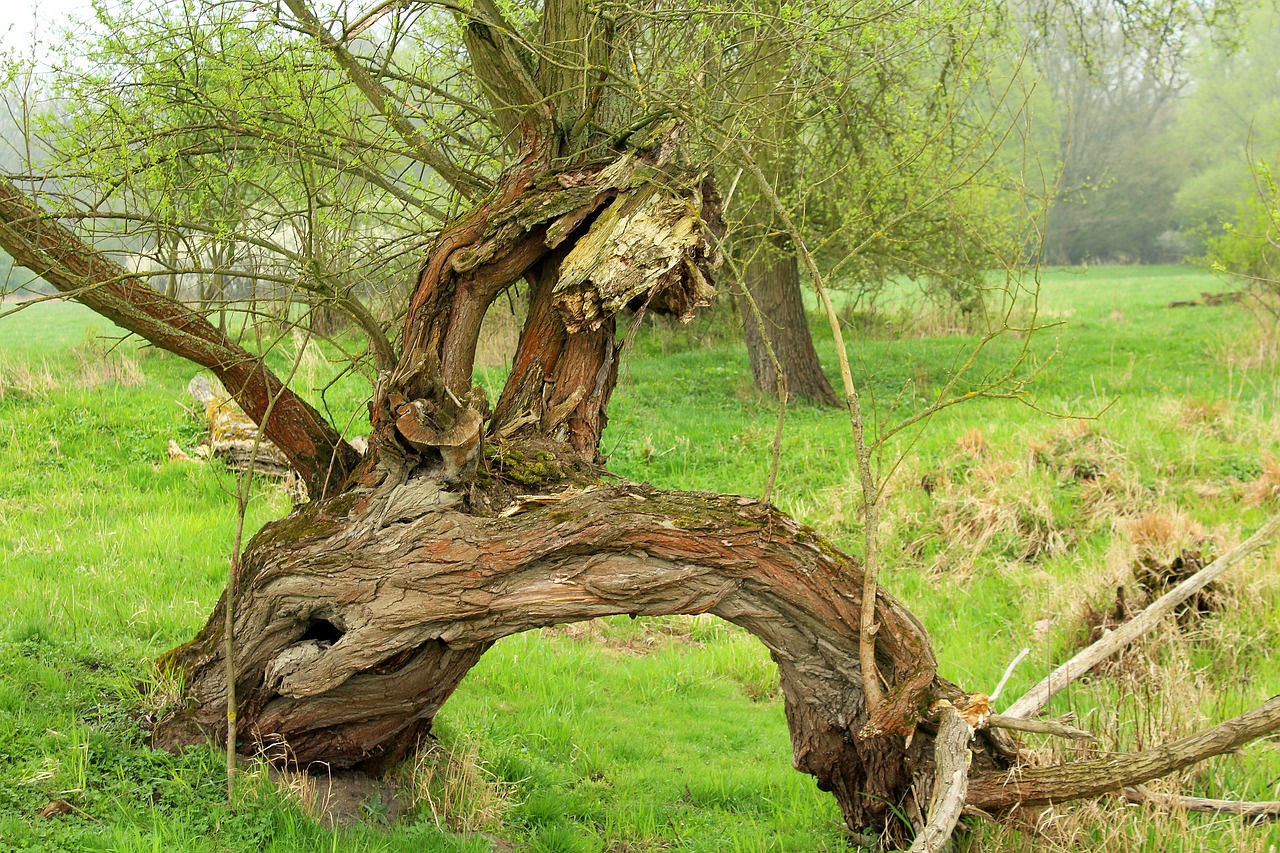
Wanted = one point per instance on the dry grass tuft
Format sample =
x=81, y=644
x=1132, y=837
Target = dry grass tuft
x=1267, y=486
x=99, y=362
x=972, y=443
x=998, y=506
x=18, y=376
x=1161, y=535
x=453, y=784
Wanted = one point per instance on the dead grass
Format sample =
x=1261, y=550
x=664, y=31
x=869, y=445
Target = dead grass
x=100, y=362
x=453, y=785
x=1265, y=489
x=1162, y=534
x=1155, y=695
x=26, y=379
x=1254, y=348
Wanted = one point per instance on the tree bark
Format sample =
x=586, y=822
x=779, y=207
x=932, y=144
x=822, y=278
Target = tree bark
x=773, y=279
x=358, y=616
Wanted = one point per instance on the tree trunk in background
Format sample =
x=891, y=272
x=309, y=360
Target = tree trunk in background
x=773, y=280
x=768, y=259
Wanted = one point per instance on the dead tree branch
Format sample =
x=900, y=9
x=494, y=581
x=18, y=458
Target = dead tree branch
x=1084, y=779
x=1035, y=699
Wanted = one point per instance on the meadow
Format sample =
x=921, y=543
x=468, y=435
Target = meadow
x=1008, y=524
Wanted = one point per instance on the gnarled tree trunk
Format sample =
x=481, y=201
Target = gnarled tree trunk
x=357, y=616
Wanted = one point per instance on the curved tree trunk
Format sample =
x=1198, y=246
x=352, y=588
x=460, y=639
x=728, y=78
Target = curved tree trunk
x=772, y=278
x=357, y=616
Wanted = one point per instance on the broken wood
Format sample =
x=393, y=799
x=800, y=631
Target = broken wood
x=951, y=758
x=1035, y=699
x=233, y=435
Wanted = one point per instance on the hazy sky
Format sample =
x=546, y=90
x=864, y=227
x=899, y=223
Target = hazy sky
x=18, y=20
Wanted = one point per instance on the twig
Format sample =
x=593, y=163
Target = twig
x=870, y=498
x=1257, y=809
x=951, y=758
x=1004, y=679
x=1046, y=727
x=1083, y=779
x=1034, y=700
x=244, y=481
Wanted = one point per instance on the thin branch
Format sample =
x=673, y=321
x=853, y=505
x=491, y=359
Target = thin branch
x=466, y=182
x=1084, y=779
x=1263, y=809
x=776, y=452
x=870, y=497
x=1044, y=727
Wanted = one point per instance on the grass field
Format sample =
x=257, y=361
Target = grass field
x=1005, y=525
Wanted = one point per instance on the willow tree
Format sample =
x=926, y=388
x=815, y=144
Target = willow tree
x=355, y=617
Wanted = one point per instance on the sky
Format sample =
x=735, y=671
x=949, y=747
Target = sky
x=18, y=20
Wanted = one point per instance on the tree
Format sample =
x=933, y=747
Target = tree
x=356, y=616
x=1229, y=122
x=877, y=135
x=1109, y=79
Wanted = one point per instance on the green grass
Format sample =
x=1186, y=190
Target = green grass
x=663, y=734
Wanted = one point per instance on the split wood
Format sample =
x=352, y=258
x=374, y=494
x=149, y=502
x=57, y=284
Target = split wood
x=951, y=757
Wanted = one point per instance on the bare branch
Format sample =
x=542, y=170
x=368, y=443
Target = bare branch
x=1261, y=810
x=466, y=182
x=1046, y=727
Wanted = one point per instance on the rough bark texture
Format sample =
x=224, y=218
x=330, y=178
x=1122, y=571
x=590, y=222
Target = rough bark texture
x=314, y=448
x=773, y=280
x=359, y=615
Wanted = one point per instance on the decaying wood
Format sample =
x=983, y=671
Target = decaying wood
x=1077, y=780
x=1260, y=810
x=233, y=435
x=951, y=758
x=1035, y=699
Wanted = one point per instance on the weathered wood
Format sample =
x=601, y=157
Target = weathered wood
x=351, y=632
x=951, y=758
x=1258, y=810
x=1044, y=727
x=1065, y=782
x=1035, y=699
